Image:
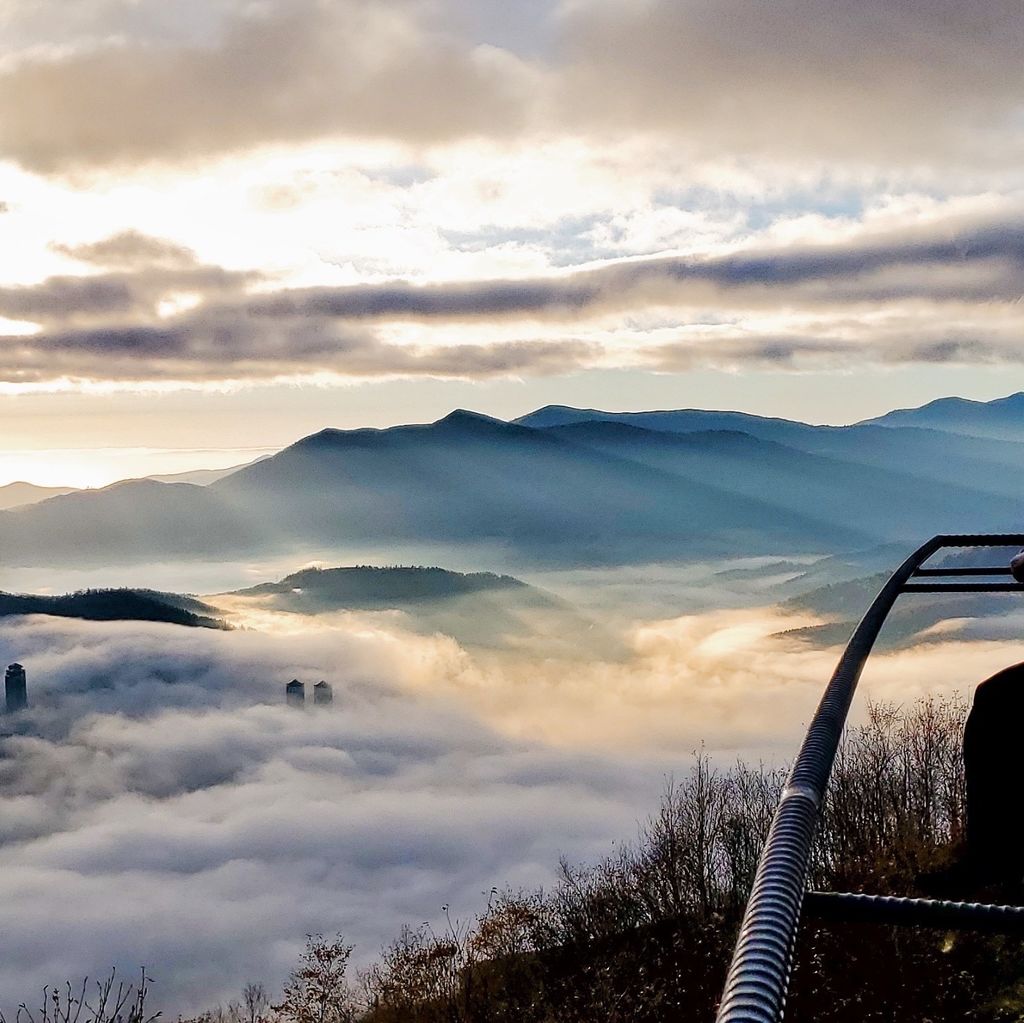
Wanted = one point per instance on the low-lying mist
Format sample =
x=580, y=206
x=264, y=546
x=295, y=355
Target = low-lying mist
x=162, y=806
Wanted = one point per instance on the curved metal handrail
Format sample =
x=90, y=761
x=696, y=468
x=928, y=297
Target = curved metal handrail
x=758, y=978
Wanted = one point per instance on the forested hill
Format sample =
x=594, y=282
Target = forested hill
x=114, y=605
x=371, y=586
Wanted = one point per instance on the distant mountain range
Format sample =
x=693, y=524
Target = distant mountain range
x=20, y=494
x=16, y=495
x=567, y=486
x=1002, y=419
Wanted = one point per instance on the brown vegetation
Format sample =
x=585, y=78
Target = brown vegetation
x=98, y=1002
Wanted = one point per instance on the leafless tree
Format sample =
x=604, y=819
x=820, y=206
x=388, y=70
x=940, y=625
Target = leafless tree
x=256, y=1002
x=125, y=1003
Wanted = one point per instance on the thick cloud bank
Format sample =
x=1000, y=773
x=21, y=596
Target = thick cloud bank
x=160, y=804
x=937, y=292
x=483, y=193
x=278, y=72
x=118, y=82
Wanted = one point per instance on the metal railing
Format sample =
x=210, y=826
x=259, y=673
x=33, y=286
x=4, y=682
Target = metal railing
x=758, y=978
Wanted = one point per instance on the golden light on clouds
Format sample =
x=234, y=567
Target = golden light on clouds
x=726, y=678
x=537, y=153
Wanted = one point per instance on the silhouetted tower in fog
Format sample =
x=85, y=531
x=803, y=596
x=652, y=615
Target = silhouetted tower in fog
x=295, y=693
x=322, y=693
x=15, y=689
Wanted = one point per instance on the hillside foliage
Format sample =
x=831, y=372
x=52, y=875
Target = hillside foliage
x=109, y=605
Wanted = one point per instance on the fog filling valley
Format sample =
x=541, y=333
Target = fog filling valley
x=162, y=806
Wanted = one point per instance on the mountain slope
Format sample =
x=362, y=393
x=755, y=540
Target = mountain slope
x=589, y=491
x=988, y=465
x=19, y=494
x=201, y=477
x=16, y=495
x=136, y=520
x=894, y=505
x=669, y=421
x=910, y=621
x=1001, y=419
x=464, y=479
x=470, y=478
x=479, y=608
x=364, y=586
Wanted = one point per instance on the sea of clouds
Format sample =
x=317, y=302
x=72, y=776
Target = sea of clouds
x=161, y=806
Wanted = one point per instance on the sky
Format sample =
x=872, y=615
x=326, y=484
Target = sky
x=228, y=223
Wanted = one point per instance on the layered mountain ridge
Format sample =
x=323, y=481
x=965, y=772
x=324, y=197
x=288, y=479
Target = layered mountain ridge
x=563, y=485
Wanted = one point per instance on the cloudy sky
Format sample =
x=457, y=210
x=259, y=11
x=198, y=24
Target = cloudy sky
x=227, y=223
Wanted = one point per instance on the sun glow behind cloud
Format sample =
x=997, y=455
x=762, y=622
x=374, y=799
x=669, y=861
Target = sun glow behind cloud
x=98, y=467
x=530, y=162
x=536, y=205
